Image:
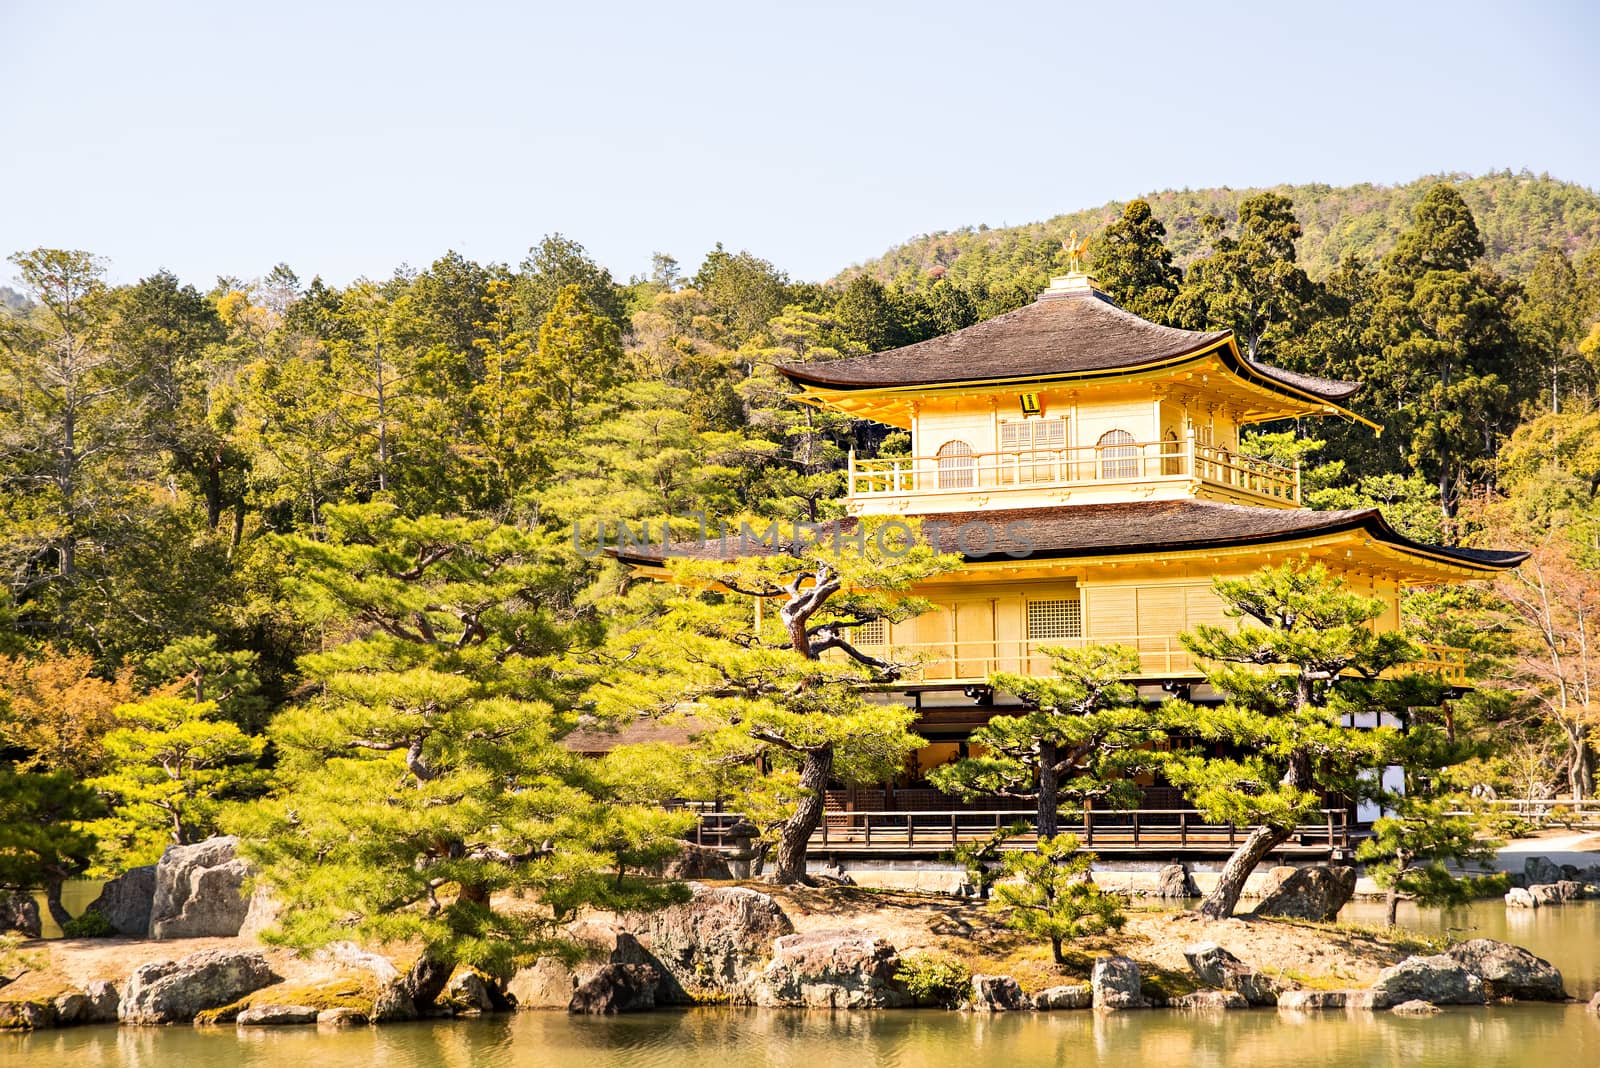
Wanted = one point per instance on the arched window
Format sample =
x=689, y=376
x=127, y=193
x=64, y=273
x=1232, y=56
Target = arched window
x=1171, y=457
x=955, y=465
x=1119, y=456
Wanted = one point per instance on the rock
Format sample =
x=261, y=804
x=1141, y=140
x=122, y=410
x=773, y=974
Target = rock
x=261, y=913
x=393, y=1004
x=1438, y=979
x=1509, y=971
x=71, y=1008
x=1557, y=893
x=997, y=993
x=199, y=891
x=1594, y=1004
x=1312, y=1000
x=350, y=955
x=1541, y=870
x=1519, y=898
x=841, y=969
x=1416, y=1008
x=174, y=991
x=276, y=1016
x=27, y=1015
x=1209, y=1001
x=469, y=993
x=126, y=900
x=617, y=988
x=1316, y=893
x=1057, y=998
x=1215, y=966
x=697, y=862
x=1274, y=878
x=341, y=1018
x=1115, y=982
x=1174, y=881
x=712, y=946
x=832, y=875
x=103, y=999
x=20, y=912
x=546, y=984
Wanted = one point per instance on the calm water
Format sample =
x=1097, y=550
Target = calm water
x=1522, y=1036
x=1542, y=1036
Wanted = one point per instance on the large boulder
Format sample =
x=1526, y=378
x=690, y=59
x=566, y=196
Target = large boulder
x=616, y=988
x=831, y=970
x=1536, y=870
x=200, y=891
x=1437, y=979
x=262, y=912
x=1115, y=981
x=1174, y=881
x=1215, y=966
x=1509, y=971
x=1058, y=998
x=550, y=982
x=19, y=912
x=1520, y=898
x=102, y=1001
x=697, y=862
x=1556, y=893
x=175, y=991
x=997, y=993
x=468, y=993
x=1312, y=1000
x=393, y=1004
x=1315, y=893
x=31, y=1014
x=276, y=1016
x=125, y=901
x=1209, y=1001
x=712, y=946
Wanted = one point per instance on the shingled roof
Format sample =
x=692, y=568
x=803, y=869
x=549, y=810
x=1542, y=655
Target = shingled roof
x=1063, y=332
x=1109, y=530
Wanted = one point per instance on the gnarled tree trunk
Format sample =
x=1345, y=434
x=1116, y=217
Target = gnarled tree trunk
x=1219, y=904
x=1049, y=792
x=795, y=838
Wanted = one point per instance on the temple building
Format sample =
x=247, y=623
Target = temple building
x=1086, y=464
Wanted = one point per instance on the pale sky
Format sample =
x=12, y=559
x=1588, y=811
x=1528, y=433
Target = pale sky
x=221, y=138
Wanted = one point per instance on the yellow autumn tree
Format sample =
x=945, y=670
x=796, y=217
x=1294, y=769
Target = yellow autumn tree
x=55, y=708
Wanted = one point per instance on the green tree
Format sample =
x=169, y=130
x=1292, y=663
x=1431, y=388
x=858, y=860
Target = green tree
x=1303, y=661
x=425, y=787
x=1083, y=736
x=1131, y=259
x=979, y=858
x=1250, y=283
x=759, y=684
x=43, y=842
x=1053, y=895
x=1410, y=852
x=578, y=360
x=172, y=765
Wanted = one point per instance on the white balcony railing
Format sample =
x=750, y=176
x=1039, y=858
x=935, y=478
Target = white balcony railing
x=1160, y=656
x=1077, y=465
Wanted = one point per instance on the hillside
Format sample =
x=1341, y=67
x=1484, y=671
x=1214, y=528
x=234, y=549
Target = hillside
x=1519, y=215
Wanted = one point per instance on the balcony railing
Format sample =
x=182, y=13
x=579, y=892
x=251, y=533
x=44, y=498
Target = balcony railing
x=1078, y=465
x=1160, y=656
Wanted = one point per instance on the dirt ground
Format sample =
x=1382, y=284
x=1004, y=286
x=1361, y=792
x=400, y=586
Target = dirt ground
x=1325, y=956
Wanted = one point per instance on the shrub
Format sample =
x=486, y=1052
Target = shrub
x=934, y=979
x=1054, y=897
x=92, y=924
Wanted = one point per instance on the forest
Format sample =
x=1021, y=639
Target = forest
x=269, y=544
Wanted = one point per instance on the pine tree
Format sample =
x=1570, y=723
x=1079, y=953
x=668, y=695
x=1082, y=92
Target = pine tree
x=1410, y=852
x=172, y=765
x=1303, y=662
x=1130, y=258
x=425, y=786
x=1084, y=735
x=1053, y=895
x=760, y=689
x=43, y=840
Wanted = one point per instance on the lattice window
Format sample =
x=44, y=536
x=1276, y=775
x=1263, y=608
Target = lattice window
x=1040, y=440
x=1119, y=456
x=956, y=465
x=1054, y=620
x=875, y=632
